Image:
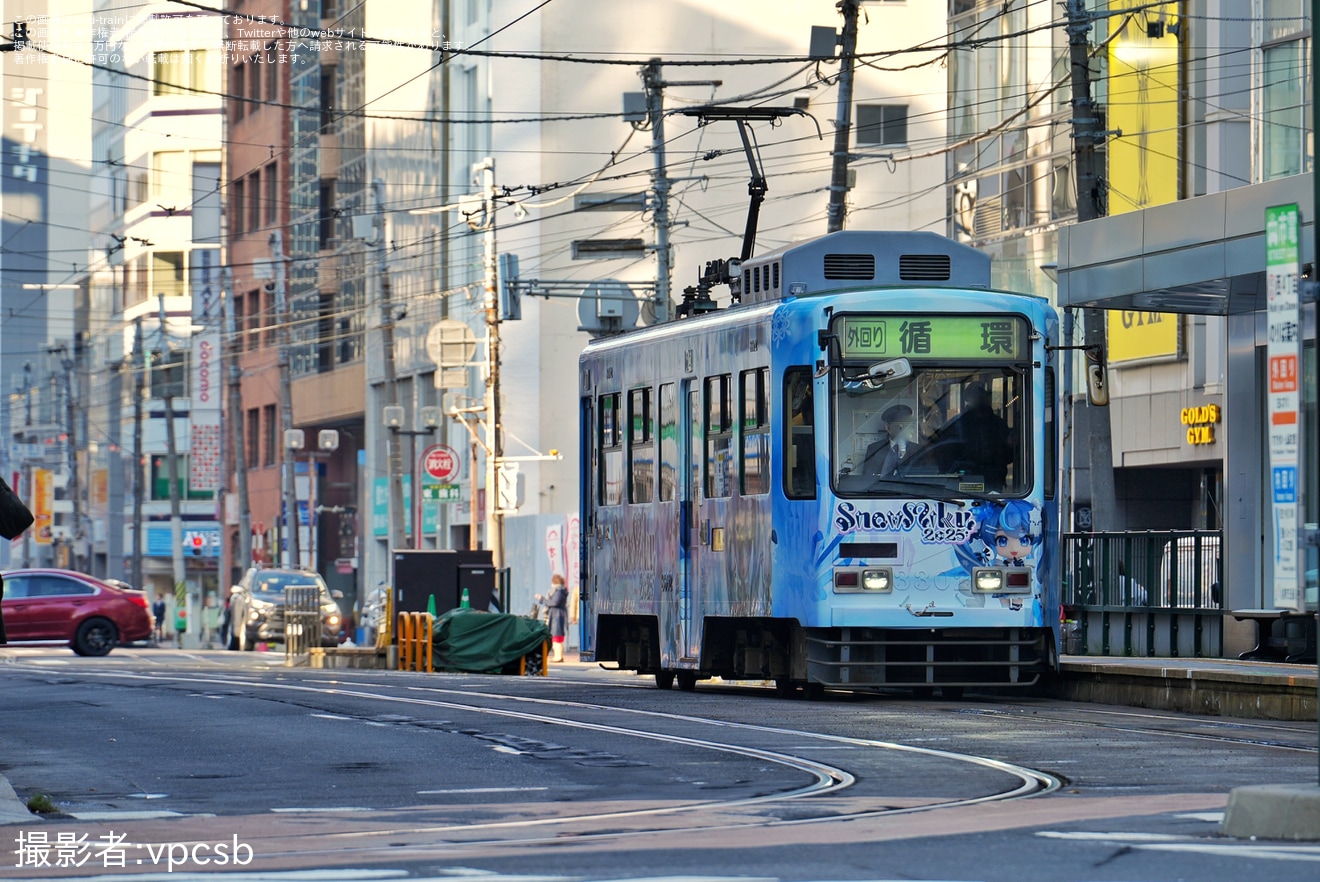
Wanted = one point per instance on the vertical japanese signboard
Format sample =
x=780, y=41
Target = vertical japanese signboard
x=1283, y=404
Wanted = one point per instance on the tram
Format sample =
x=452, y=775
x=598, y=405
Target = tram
x=847, y=479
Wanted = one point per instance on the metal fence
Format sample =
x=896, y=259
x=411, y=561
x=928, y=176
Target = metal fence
x=302, y=624
x=1154, y=593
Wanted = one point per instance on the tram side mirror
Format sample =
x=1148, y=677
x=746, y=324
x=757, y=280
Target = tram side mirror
x=1097, y=378
x=894, y=369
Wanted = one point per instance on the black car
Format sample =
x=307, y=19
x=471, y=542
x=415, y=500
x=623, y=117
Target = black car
x=256, y=607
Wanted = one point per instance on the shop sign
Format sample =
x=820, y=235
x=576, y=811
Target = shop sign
x=1200, y=423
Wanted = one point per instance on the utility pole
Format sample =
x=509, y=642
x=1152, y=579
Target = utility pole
x=495, y=448
x=172, y=373
x=139, y=482
x=236, y=421
x=71, y=450
x=1087, y=133
x=838, y=207
x=393, y=445
x=655, y=113
x=293, y=553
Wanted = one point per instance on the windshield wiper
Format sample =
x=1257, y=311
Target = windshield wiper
x=914, y=488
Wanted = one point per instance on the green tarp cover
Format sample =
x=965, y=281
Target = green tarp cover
x=483, y=642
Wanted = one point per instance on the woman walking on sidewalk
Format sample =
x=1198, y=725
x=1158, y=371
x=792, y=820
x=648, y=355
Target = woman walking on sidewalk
x=557, y=603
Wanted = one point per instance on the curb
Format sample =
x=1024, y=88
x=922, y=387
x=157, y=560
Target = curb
x=1273, y=811
x=12, y=809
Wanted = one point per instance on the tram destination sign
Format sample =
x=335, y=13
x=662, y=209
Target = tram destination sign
x=980, y=337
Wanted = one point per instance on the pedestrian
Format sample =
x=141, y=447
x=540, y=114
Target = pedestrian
x=158, y=613
x=225, y=617
x=557, y=603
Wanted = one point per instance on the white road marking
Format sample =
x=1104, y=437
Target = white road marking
x=485, y=790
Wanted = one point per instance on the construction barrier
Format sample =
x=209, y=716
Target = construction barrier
x=545, y=661
x=415, y=641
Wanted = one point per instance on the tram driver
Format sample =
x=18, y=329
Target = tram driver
x=897, y=442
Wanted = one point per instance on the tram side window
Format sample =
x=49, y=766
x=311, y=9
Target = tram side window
x=799, y=441
x=641, y=447
x=755, y=459
x=668, y=443
x=719, y=437
x=611, y=451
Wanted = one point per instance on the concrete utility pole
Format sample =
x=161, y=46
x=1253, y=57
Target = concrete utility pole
x=293, y=551
x=71, y=451
x=655, y=114
x=1087, y=133
x=495, y=447
x=139, y=482
x=838, y=207
x=236, y=422
x=393, y=445
x=172, y=372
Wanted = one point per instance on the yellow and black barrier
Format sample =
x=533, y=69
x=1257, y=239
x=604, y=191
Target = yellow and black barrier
x=415, y=641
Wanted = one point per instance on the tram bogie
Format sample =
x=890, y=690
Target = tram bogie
x=847, y=480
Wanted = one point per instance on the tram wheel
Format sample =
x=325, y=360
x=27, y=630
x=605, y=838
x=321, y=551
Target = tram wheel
x=664, y=679
x=952, y=693
x=923, y=692
x=813, y=691
x=785, y=688
x=687, y=681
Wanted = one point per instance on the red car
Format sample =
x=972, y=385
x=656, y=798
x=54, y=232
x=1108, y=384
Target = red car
x=61, y=606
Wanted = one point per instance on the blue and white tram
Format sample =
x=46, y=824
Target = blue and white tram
x=846, y=480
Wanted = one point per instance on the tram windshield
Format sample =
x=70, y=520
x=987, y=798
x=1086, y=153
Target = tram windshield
x=942, y=431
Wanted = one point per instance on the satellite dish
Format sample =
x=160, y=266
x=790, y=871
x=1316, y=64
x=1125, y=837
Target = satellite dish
x=606, y=307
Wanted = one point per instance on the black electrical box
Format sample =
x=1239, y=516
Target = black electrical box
x=420, y=575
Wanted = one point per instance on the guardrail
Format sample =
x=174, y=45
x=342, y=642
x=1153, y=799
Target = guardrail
x=1153, y=593
x=415, y=641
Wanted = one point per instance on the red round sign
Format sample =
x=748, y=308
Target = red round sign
x=440, y=462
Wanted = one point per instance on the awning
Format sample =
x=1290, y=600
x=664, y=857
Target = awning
x=1202, y=256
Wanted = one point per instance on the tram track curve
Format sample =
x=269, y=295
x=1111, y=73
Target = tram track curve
x=321, y=694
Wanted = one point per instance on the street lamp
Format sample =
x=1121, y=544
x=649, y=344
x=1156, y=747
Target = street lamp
x=327, y=442
x=392, y=416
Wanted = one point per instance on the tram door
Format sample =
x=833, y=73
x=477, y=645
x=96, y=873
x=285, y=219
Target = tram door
x=690, y=535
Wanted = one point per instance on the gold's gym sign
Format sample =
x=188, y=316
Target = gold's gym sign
x=1200, y=423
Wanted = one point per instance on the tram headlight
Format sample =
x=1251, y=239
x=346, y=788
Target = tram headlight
x=878, y=580
x=987, y=580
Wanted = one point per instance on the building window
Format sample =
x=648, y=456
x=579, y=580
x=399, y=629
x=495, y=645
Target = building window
x=326, y=230
x=882, y=125
x=272, y=81
x=167, y=275
x=251, y=327
x=272, y=194
x=236, y=197
x=641, y=447
x=272, y=435
x=238, y=88
x=182, y=72
x=254, y=201
x=253, y=452
x=1285, y=110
